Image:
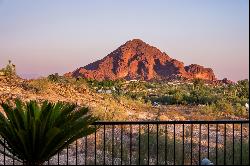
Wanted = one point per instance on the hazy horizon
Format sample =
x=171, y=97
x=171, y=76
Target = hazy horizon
x=45, y=37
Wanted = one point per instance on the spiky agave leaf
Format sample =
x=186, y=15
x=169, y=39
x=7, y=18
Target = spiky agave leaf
x=36, y=133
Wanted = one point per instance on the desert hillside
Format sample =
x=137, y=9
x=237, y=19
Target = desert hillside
x=104, y=101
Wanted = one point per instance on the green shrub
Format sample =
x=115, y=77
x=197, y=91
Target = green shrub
x=54, y=77
x=240, y=110
x=57, y=78
x=9, y=70
x=243, y=88
x=41, y=84
x=224, y=106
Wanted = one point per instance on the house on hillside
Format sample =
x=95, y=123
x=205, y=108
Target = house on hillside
x=104, y=91
x=155, y=104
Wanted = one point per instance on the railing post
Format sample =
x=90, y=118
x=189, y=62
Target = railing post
x=76, y=154
x=130, y=143
x=174, y=143
x=191, y=141
x=208, y=141
x=216, y=144
x=86, y=149
x=58, y=158
x=4, y=152
x=225, y=145
x=233, y=143
x=148, y=145
x=199, y=144
x=95, y=145
x=139, y=144
x=157, y=143
x=241, y=157
x=121, y=142
x=166, y=144
x=183, y=144
x=104, y=144
x=113, y=144
x=67, y=162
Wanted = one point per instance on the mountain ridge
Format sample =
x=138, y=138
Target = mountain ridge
x=136, y=59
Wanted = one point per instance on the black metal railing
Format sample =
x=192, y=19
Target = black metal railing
x=158, y=143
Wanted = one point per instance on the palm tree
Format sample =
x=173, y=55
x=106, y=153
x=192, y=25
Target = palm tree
x=34, y=133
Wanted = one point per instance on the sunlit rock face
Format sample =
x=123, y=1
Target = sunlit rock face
x=138, y=60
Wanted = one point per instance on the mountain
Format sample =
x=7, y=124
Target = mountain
x=138, y=60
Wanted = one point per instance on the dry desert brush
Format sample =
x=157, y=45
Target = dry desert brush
x=34, y=133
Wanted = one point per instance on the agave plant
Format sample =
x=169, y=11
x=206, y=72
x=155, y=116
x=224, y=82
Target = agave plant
x=34, y=133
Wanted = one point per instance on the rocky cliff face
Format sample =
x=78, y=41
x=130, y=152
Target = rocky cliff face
x=137, y=60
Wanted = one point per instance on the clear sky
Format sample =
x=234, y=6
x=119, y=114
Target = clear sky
x=47, y=36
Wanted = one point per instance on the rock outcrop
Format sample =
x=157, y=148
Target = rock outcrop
x=138, y=60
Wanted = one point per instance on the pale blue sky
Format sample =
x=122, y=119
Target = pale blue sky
x=48, y=36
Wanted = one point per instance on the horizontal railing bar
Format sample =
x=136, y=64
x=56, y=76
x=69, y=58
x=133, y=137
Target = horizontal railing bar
x=172, y=122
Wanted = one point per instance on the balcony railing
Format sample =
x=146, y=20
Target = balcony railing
x=158, y=143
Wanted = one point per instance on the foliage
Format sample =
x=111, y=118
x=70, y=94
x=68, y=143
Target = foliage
x=222, y=97
x=240, y=110
x=57, y=78
x=224, y=106
x=54, y=77
x=9, y=70
x=35, y=133
x=243, y=89
x=105, y=84
x=39, y=85
x=198, y=83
